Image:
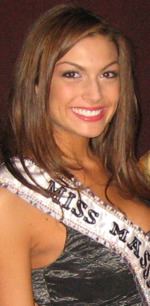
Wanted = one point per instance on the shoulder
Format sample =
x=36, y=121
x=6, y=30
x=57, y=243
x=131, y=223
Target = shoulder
x=20, y=218
x=14, y=217
x=9, y=201
x=15, y=208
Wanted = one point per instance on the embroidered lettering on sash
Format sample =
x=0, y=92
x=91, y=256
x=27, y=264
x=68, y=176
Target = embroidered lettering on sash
x=69, y=200
x=91, y=214
x=145, y=264
x=121, y=233
x=56, y=193
x=81, y=208
x=135, y=245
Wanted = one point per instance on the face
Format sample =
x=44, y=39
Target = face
x=85, y=88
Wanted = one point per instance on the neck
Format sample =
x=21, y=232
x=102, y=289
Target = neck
x=75, y=148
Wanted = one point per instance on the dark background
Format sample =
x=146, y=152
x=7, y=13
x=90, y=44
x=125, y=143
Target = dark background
x=131, y=16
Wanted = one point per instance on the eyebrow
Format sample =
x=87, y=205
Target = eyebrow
x=82, y=68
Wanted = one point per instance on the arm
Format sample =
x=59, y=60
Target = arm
x=15, y=264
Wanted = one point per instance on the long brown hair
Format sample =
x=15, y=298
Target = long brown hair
x=53, y=35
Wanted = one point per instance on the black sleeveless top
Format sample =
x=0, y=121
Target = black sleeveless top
x=106, y=258
x=87, y=273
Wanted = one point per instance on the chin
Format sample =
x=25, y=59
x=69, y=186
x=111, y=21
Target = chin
x=95, y=133
x=91, y=135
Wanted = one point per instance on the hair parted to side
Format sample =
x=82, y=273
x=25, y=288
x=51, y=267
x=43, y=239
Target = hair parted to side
x=55, y=33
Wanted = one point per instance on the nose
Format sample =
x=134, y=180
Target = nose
x=92, y=91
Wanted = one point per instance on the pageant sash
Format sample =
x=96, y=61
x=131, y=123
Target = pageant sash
x=89, y=215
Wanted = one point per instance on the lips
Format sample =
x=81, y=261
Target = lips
x=89, y=114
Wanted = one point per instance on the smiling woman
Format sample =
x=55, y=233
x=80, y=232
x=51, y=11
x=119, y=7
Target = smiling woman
x=74, y=221
x=85, y=89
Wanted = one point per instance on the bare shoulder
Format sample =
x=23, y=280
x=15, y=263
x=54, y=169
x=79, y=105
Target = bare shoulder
x=13, y=214
x=11, y=203
x=20, y=214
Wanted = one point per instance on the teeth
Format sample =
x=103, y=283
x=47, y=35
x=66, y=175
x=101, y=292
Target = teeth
x=85, y=112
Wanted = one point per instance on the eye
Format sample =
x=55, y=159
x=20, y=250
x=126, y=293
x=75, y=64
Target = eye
x=71, y=74
x=110, y=74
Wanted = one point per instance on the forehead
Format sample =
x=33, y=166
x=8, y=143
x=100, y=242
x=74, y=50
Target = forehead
x=92, y=48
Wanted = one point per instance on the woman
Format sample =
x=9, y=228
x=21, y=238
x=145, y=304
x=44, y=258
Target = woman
x=74, y=223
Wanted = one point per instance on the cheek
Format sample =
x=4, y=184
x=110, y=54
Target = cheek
x=63, y=93
x=60, y=96
x=54, y=92
x=111, y=88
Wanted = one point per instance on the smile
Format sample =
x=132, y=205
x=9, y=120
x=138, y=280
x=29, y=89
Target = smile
x=87, y=112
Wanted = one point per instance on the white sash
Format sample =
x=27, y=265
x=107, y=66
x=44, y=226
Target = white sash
x=92, y=217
